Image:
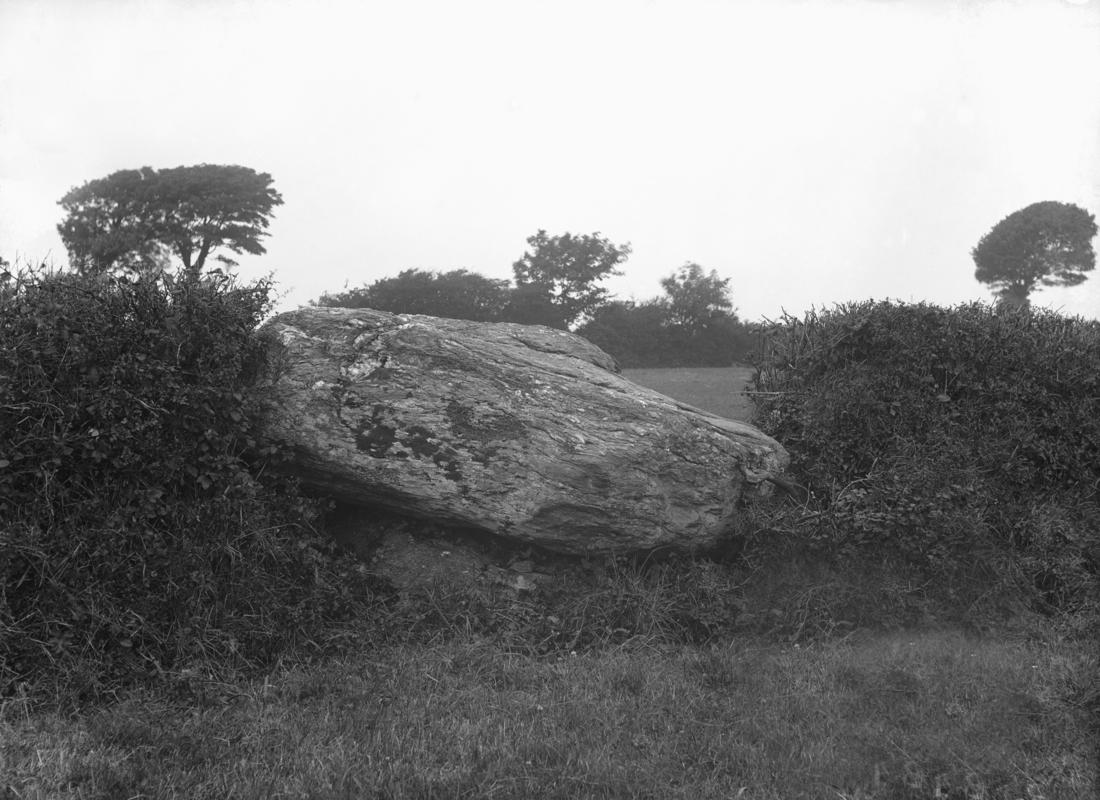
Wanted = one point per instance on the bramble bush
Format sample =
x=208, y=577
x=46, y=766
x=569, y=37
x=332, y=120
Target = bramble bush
x=964, y=441
x=141, y=533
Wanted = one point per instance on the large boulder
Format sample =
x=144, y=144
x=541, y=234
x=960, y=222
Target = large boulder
x=522, y=431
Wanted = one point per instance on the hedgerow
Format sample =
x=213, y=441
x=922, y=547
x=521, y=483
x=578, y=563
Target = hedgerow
x=141, y=532
x=965, y=440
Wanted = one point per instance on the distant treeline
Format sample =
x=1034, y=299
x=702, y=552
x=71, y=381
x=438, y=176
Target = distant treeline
x=693, y=324
x=645, y=335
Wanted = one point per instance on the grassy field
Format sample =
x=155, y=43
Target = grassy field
x=715, y=389
x=456, y=710
x=902, y=715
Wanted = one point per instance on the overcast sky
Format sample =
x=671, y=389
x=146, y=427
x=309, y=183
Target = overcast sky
x=813, y=152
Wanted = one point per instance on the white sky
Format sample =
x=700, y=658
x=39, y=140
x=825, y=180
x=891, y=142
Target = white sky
x=814, y=152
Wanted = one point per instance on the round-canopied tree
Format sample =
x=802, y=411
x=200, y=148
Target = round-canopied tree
x=556, y=279
x=137, y=218
x=696, y=298
x=1044, y=244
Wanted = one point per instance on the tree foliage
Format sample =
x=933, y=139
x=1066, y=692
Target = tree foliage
x=695, y=298
x=532, y=304
x=693, y=325
x=556, y=279
x=635, y=334
x=134, y=219
x=1045, y=244
x=458, y=294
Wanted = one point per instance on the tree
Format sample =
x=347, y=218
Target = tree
x=696, y=299
x=458, y=294
x=533, y=304
x=641, y=335
x=108, y=223
x=134, y=219
x=556, y=279
x=1045, y=244
x=635, y=334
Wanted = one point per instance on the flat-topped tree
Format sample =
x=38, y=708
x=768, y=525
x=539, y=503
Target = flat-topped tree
x=1045, y=244
x=137, y=218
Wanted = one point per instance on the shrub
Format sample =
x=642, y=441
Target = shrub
x=139, y=532
x=641, y=335
x=948, y=436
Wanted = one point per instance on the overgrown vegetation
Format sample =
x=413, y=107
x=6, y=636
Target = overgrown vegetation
x=150, y=554
x=140, y=530
x=964, y=443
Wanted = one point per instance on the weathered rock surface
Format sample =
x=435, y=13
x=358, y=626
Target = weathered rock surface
x=522, y=431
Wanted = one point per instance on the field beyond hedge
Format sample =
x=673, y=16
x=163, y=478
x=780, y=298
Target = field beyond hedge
x=719, y=390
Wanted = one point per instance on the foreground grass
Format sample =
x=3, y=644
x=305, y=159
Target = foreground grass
x=933, y=714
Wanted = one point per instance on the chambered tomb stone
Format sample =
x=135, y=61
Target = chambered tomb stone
x=526, y=432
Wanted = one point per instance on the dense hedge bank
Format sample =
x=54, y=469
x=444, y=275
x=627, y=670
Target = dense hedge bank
x=961, y=439
x=139, y=529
